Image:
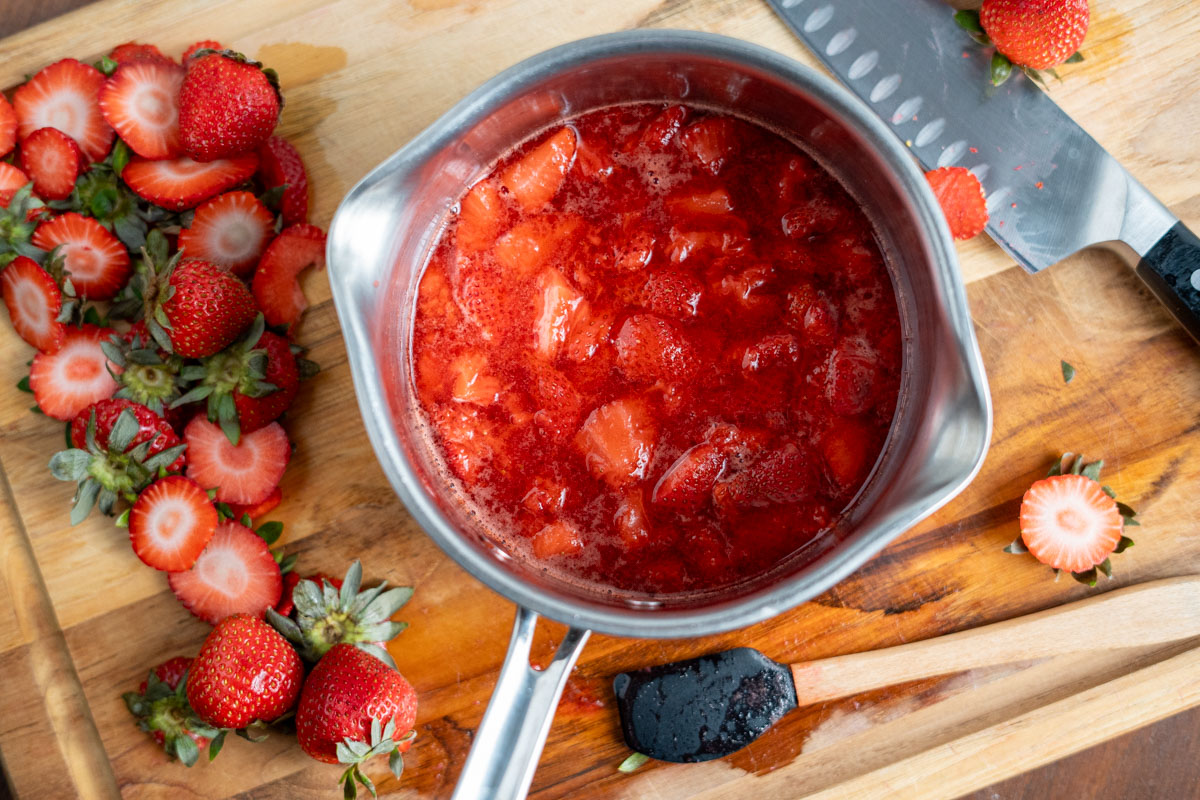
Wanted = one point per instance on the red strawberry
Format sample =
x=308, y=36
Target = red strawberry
x=96, y=261
x=1037, y=34
x=286, y=603
x=280, y=164
x=75, y=375
x=1068, y=522
x=183, y=183
x=34, y=302
x=651, y=349
x=671, y=293
x=151, y=428
x=480, y=218
x=711, y=141
x=845, y=447
x=558, y=402
x=275, y=284
x=63, y=96
x=556, y=303
x=236, y=574
x=8, y=127
x=851, y=374
x=632, y=523
x=231, y=230
x=783, y=475
x=961, y=197
x=170, y=672
x=53, y=161
x=132, y=52
x=351, y=696
x=210, y=308
x=141, y=101
x=688, y=483
x=228, y=105
x=775, y=350
x=535, y=178
x=259, y=373
x=11, y=179
x=663, y=128
x=617, y=441
x=559, y=538
x=171, y=523
x=256, y=510
x=245, y=671
x=282, y=373
x=244, y=473
x=207, y=44
x=161, y=709
x=711, y=203
x=811, y=313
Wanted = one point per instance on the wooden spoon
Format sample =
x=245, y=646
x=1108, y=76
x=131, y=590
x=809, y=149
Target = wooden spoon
x=711, y=706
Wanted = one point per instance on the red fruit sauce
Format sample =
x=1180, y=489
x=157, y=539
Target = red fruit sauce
x=658, y=348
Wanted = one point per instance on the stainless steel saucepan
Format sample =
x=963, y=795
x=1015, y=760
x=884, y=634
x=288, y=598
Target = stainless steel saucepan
x=378, y=245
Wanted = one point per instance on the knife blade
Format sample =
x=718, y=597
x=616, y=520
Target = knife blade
x=1051, y=189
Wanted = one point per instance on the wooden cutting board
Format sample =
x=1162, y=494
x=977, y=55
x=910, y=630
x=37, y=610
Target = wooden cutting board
x=81, y=619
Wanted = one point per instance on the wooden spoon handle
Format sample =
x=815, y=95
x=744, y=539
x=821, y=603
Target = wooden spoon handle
x=1150, y=613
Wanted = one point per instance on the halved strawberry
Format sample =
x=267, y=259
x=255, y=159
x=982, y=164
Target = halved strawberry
x=11, y=179
x=245, y=473
x=559, y=404
x=34, y=302
x=235, y=574
x=1069, y=522
x=207, y=44
x=8, y=127
x=782, y=475
x=279, y=164
x=75, y=375
x=256, y=510
x=617, y=441
x=688, y=483
x=557, y=539
x=96, y=261
x=812, y=313
x=141, y=101
x=182, y=183
x=231, y=229
x=633, y=525
x=534, y=180
x=649, y=349
x=470, y=440
x=53, y=161
x=672, y=293
x=775, y=350
x=276, y=288
x=480, y=217
x=63, y=96
x=851, y=374
x=131, y=52
x=711, y=141
x=171, y=523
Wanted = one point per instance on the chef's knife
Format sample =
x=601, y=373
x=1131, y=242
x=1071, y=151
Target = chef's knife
x=1051, y=189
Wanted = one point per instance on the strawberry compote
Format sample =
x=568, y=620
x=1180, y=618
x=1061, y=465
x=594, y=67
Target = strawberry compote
x=658, y=348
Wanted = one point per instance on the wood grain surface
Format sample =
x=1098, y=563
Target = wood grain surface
x=81, y=619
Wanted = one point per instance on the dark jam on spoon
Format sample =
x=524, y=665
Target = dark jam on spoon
x=658, y=348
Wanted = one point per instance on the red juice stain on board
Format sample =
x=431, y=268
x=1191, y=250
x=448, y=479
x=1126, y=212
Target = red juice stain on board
x=658, y=349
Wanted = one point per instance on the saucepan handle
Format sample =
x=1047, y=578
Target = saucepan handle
x=1171, y=268
x=509, y=741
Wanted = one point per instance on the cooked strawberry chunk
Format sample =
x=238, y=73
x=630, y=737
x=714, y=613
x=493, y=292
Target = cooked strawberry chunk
x=34, y=302
x=846, y=447
x=556, y=307
x=650, y=348
x=1068, y=522
x=535, y=179
x=559, y=402
x=851, y=375
x=280, y=165
x=231, y=229
x=673, y=293
x=617, y=441
x=470, y=381
x=711, y=141
x=815, y=217
x=64, y=96
x=633, y=526
x=141, y=102
x=53, y=161
x=96, y=261
x=546, y=498
x=181, y=183
x=8, y=127
x=245, y=473
x=75, y=375
x=775, y=350
x=688, y=483
x=480, y=217
x=557, y=539
x=715, y=202
x=783, y=475
x=811, y=312
x=235, y=574
x=469, y=440
x=276, y=288
x=664, y=127
x=171, y=523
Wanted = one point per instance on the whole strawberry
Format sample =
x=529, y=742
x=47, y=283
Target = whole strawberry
x=350, y=700
x=1037, y=34
x=161, y=709
x=245, y=672
x=228, y=105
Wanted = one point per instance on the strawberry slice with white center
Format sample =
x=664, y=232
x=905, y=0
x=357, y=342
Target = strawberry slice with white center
x=276, y=288
x=235, y=574
x=1068, y=522
x=231, y=229
x=141, y=101
x=171, y=523
x=535, y=178
x=34, y=302
x=63, y=96
x=245, y=473
x=11, y=179
x=8, y=127
x=181, y=183
x=75, y=375
x=96, y=261
x=53, y=161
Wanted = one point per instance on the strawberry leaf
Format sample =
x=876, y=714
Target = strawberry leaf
x=270, y=532
x=1075, y=59
x=1123, y=545
x=969, y=21
x=217, y=743
x=23, y=385
x=633, y=762
x=1068, y=372
x=1105, y=566
x=1108, y=490
x=1088, y=577
x=1016, y=547
x=1092, y=470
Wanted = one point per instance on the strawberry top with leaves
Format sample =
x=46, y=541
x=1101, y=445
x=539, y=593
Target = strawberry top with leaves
x=151, y=428
x=1038, y=34
x=161, y=708
x=228, y=105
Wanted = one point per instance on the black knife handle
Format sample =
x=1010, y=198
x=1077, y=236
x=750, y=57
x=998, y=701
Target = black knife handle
x=1172, y=271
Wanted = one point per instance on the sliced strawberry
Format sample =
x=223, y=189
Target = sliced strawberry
x=182, y=183
x=588, y=334
x=480, y=295
x=546, y=498
x=617, y=441
x=96, y=261
x=34, y=302
x=559, y=403
x=131, y=52
x=711, y=141
x=650, y=349
x=256, y=510
x=961, y=197
x=557, y=539
x=534, y=180
x=470, y=440
x=1068, y=522
x=276, y=288
x=817, y=216
x=688, y=483
x=750, y=289
x=8, y=127
x=53, y=161
x=480, y=217
x=671, y=293
x=207, y=44
x=245, y=473
x=470, y=381
x=555, y=307
x=280, y=165
x=235, y=574
x=63, y=96
x=75, y=375
x=11, y=179
x=845, y=447
x=171, y=523
x=141, y=101
x=231, y=229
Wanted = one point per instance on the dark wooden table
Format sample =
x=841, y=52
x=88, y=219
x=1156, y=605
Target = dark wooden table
x=1157, y=762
